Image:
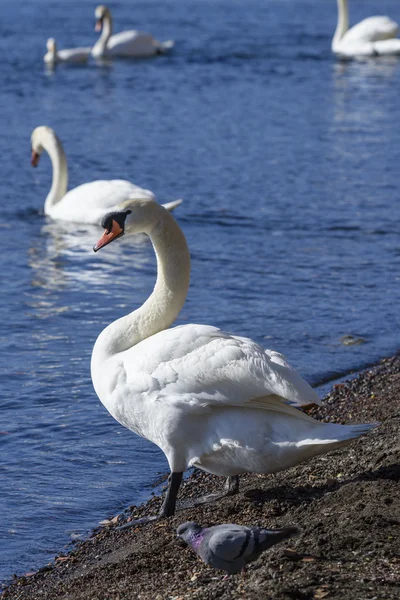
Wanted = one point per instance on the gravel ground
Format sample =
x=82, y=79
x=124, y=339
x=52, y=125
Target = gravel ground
x=346, y=505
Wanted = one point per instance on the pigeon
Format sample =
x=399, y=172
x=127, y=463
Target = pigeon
x=230, y=547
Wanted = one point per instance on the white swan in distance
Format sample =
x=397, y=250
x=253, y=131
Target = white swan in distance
x=207, y=398
x=375, y=36
x=68, y=55
x=88, y=202
x=133, y=43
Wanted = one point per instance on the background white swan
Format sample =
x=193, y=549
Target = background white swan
x=126, y=43
x=207, y=398
x=88, y=202
x=68, y=55
x=374, y=36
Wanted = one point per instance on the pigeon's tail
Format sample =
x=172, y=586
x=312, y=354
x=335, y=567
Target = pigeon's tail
x=169, y=206
x=266, y=538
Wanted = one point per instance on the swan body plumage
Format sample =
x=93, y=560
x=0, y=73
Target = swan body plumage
x=132, y=43
x=374, y=36
x=67, y=55
x=207, y=398
x=88, y=202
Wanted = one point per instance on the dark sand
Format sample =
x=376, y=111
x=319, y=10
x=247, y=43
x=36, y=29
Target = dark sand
x=346, y=505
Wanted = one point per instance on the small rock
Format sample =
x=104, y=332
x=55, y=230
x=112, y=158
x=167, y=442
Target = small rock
x=351, y=340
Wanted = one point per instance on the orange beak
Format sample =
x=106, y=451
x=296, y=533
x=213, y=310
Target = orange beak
x=99, y=25
x=109, y=236
x=35, y=159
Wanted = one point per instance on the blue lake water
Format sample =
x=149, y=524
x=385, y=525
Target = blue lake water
x=288, y=164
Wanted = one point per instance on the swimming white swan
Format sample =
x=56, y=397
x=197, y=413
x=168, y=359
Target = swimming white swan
x=207, y=398
x=88, y=202
x=126, y=43
x=374, y=36
x=68, y=55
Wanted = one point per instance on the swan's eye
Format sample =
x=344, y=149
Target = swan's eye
x=106, y=222
x=108, y=225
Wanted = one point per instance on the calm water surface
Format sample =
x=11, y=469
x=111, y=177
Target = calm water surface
x=288, y=164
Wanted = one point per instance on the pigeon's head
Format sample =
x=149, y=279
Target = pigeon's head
x=188, y=531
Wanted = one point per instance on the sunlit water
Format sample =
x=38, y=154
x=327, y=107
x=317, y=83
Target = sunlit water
x=288, y=164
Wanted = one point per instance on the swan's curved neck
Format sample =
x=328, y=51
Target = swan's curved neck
x=342, y=22
x=164, y=304
x=106, y=32
x=53, y=51
x=59, y=184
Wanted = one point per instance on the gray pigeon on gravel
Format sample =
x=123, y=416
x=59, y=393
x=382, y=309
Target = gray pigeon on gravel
x=230, y=547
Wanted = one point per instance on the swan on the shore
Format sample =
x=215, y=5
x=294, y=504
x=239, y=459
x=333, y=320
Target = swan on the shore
x=67, y=55
x=133, y=43
x=207, y=398
x=88, y=202
x=374, y=36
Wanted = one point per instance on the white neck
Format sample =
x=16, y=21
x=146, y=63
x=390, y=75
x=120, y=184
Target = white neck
x=164, y=304
x=59, y=185
x=106, y=31
x=53, y=51
x=342, y=22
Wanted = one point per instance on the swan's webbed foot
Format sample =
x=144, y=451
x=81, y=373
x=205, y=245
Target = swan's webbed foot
x=140, y=521
x=231, y=488
x=168, y=507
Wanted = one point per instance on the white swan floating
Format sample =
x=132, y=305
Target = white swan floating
x=68, y=55
x=133, y=43
x=207, y=398
x=375, y=36
x=88, y=202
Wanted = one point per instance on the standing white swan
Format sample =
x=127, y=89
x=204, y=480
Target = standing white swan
x=133, y=43
x=374, y=36
x=88, y=202
x=68, y=55
x=207, y=398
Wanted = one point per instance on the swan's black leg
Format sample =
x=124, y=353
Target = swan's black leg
x=232, y=485
x=168, y=506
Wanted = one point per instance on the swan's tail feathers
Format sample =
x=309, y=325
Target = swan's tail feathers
x=389, y=47
x=165, y=46
x=354, y=431
x=170, y=206
x=336, y=435
x=330, y=437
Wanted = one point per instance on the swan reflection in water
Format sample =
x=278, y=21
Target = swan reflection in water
x=364, y=71
x=65, y=268
x=356, y=109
